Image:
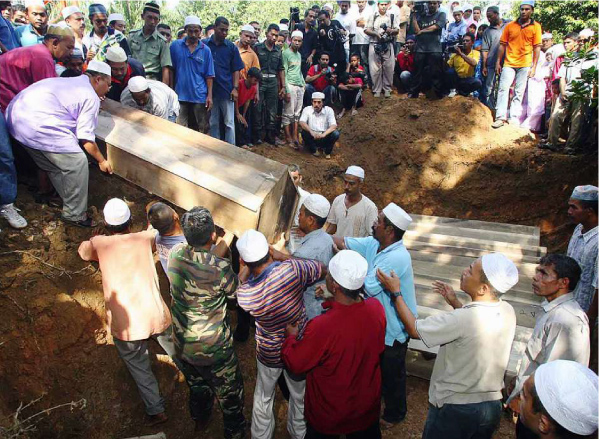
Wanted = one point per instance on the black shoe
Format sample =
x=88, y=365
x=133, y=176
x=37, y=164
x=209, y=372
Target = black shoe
x=86, y=223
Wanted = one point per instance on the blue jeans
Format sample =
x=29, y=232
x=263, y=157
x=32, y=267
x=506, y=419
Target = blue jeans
x=486, y=95
x=462, y=421
x=8, y=173
x=224, y=108
x=505, y=82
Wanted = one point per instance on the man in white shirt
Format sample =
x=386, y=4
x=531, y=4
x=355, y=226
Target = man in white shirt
x=151, y=96
x=361, y=41
x=319, y=127
x=347, y=19
x=474, y=342
x=352, y=214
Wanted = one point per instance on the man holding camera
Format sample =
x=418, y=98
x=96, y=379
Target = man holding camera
x=462, y=64
x=382, y=29
x=331, y=39
x=427, y=24
x=320, y=78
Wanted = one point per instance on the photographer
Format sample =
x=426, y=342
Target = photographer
x=331, y=39
x=382, y=29
x=427, y=25
x=462, y=64
x=320, y=78
x=405, y=62
x=308, y=49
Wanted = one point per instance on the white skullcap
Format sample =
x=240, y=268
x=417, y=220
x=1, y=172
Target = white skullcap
x=138, y=84
x=248, y=28
x=547, y=36
x=30, y=3
x=192, y=19
x=283, y=27
x=317, y=95
x=568, y=391
x=116, y=54
x=298, y=34
x=398, y=217
x=69, y=10
x=116, y=212
x=355, y=171
x=318, y=205
x=501, y=272
x=328, y=6
x=458, y=9
x=585, y=193
x=586, y=33
x=252, y=246
x=348, y=268
x=115, y=17
x=467, y=6
x=99, y=67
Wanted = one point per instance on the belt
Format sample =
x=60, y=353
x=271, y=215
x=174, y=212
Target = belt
x=269, y=75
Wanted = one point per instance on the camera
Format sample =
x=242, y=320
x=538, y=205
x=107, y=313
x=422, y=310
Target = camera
x=420, y=7
x=453, y=45
x=295, y=14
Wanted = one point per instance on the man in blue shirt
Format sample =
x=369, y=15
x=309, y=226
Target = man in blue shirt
x=227, y=64
x=458, y=28
x=8, y=37
x=34, y=32
x=194, y=72
x=385, y=250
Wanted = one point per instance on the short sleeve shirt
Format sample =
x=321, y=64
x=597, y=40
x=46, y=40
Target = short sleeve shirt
x=583, y=248
x=319, y=122
x=152, y=51
x=355, y=222
x=27, y=36
x=430, y=42
x=310, y=40
x=520, y=41
x=491, y=37
x=249, y=58
x=226, y=61
x=292, y=63
x=376, y=20
x=462, y=68
x=164, y=244
x=271, y=61
x=163, y=100
x=397, y=258
x=191, y=71
x=321, y=82
x=245, y=94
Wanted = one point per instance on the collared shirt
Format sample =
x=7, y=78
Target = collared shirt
x=375, y=22
x=275, y=298
x=355, y=222
x=520, y=41
x=226, y=61
x=456, y=30
x=152, y=51
x=318, y=246
x=396, y=258
x=292, y=64
x=8, y=36
x=319, y=122
x=321, y=82
x=361, y=37
x=491, y=37
x=21, y=67
x=572, y=71
x=52, y=115
x=475, y=344
x=340, y=352
x=583, y=248
x=134, y=68
x=461, y=67
x=562, y=333
x=249, y=58
x=201, y=283
x=164, y=245
x=27, y=36
x=163, y=101
x=135, y=309
x=310, y=40
x=271, y=61
x=191, y=71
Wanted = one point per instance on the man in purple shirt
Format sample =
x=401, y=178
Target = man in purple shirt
x=54, y=119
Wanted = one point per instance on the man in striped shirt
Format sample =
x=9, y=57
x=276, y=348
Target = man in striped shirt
x=273, y=294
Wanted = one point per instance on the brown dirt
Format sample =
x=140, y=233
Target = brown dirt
x=437, y=158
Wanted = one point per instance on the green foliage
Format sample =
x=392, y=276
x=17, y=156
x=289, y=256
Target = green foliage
x=586, y=85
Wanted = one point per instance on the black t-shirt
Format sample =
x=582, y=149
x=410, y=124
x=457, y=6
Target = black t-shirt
x=430, y=42
x=310, y=40
x=331, y=41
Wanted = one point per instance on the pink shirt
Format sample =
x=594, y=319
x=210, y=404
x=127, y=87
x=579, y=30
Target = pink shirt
x=21, y=67
x=52, y=115
x=134, y=307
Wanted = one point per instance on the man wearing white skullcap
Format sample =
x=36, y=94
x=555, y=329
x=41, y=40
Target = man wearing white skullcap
x=561, y=333
x=34, y=32
x=319, y=127
x=560, y=401
x=273, y=295
x=135, y=310
x=346, y=343
x=294, y=89
x=386, y=251
x=151, y=96
x=247, y=39
x=122, y=68
x=352, y=213
x=316, y=244
x=475, y=340
x=74, y=18
x=583, y=246
x=55, y=137
x=117, y=22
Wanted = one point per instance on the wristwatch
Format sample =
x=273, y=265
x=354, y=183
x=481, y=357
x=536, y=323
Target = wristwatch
x=394, y=295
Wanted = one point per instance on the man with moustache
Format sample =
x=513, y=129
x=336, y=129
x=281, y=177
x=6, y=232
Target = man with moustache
x=34, y=32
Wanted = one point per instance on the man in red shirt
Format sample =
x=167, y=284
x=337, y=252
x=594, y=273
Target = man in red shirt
x=248, y=88
x=320, y=78
x=340, y=358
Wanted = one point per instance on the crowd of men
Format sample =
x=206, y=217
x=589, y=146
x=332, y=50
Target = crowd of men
x=334, y=307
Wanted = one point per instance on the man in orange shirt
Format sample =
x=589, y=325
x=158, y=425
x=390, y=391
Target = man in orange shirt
x=248, y=56
x=521, y=44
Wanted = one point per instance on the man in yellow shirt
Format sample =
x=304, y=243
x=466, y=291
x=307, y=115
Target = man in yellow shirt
x=462, y=65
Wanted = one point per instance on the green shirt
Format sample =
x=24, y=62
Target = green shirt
x=152, y=51
x=201, y=283
x=292, y=63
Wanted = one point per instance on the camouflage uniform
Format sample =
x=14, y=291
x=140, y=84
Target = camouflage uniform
x=200, y=285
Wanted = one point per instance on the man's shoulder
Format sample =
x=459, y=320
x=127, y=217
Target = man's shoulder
x=338, y=199
x=368, y=202
x=135, y=33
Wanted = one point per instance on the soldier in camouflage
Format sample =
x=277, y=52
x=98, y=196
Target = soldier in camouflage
x=201, y=283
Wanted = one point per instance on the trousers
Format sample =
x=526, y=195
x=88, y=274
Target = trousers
x=431, y=62
x=464, y=86
x=194, y=116
x=69, y=174
x=486, y=95
x=393, y=372
x=326, y=144
x=267, y=106
x=561, y=111
x=503, y=95
x=462, y=421
x=292, y=110
x=263, y=420
x=8, y=173
x=372, y=432
x=381, y=68
x=225, y=109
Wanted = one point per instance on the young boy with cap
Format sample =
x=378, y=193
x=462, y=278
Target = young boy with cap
x=559, y=401
x=475, y=342
x=352, y=214
x=345, y=343
x=273, y=295
x=135, y=310
x=386, y=251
